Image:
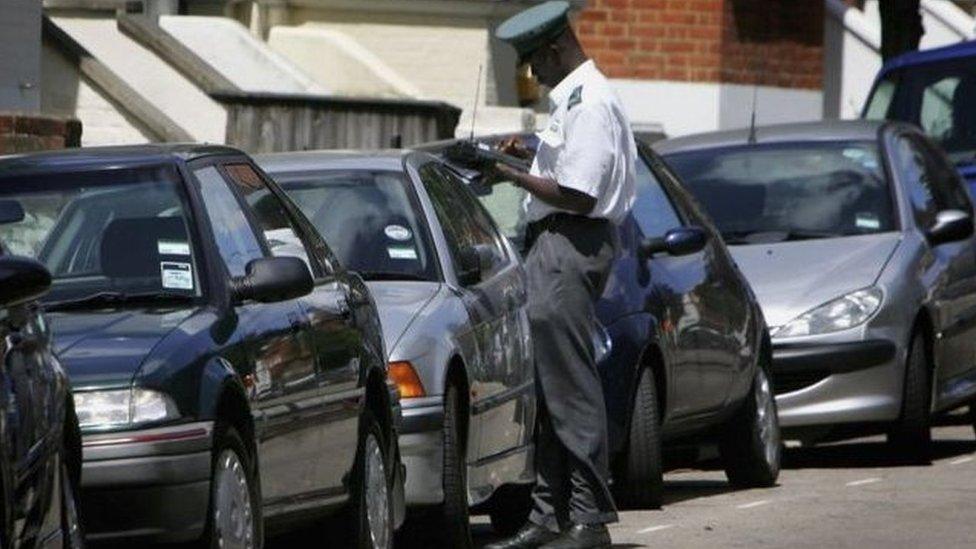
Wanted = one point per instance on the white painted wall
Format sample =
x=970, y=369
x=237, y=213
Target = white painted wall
x=202, y=117
x=231, y=50
x=683, y=108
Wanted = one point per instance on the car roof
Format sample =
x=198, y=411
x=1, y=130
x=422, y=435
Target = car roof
x=830, y=130
x=95, y=158
x=922, y=57
x=306, y=161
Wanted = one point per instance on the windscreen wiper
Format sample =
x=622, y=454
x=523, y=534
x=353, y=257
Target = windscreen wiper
x=767, y=237
x=116, y=298
x=390, y=275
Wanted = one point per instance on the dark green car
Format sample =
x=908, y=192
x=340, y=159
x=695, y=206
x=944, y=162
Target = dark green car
x=228, y=372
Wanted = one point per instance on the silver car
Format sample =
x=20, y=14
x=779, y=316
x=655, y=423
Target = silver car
x=858, y=240
x=451, y=294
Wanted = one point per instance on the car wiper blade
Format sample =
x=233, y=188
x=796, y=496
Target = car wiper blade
x=390, y=275
x=116, y=298
x=766, y=237
x=794, y=234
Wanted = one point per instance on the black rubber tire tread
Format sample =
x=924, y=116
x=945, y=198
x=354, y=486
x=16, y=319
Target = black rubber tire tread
x=228, y=437
x=73, y=537
x=741, y=448
x=972, y=416
x=510, y=508
x=361, y=527
x=911, y=435
x=453, y=515
x=640, y=469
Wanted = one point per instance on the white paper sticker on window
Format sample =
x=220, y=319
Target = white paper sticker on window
x=177, y=276
x=402, y=253
x=867, y=221
x=173, y=247
x=398, y=232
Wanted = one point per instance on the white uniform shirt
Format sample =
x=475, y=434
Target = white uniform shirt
x=588, y=146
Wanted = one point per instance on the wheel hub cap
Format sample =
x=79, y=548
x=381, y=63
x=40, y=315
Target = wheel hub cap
x=766, y=419
x=377, y=498
x=233, y=519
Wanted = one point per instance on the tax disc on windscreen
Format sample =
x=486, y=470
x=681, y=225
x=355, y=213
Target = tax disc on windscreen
x=397, y=232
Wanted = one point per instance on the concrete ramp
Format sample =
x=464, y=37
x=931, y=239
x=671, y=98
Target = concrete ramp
x=232, y=51
x=203, y=118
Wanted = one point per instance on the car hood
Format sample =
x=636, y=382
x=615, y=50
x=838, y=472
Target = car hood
x=399, y=303
x=790, y=278
x=104, y=349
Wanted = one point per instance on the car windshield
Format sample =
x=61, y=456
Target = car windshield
x=370, y=219
x=106, y=236
x=939, y=97
x=772, y=193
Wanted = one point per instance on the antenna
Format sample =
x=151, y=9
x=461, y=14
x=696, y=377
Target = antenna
x=752, y=122
x=477, y=96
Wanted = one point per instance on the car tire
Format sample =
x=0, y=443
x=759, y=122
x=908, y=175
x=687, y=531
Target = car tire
x=640, y=478
x=452, y=517
x=510, y=508
x=232, y=520
x=72, y=533
x=373, y=518
x=911, y=435
x=750, y=446
x=972, y=416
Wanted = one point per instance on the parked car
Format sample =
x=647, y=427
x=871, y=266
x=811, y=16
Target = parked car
x=935, y=89
x=683, y=350
x=858, y=239
x=228, y=372
x=451, y=294
x=40, y=447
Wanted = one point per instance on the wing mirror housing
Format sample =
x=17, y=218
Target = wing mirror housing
x=273, y=279
x=22, y=280
x=475, y=261
x=676, y=242
x=950, y=226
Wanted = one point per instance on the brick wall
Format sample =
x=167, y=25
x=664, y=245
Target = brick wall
x=26, y=133
x=770, y=42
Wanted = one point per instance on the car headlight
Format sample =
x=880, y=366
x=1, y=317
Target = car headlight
x=122, y=407
x=845, y=312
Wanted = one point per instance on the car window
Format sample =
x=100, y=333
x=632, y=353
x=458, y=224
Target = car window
x=932, y=183
x=121, y=231
x=879, y=105
x=465, y=224
x=790, y=191
x=236, y=241
x=371, y=219
x=653, y=209
x=270, y=214
x=935, y=116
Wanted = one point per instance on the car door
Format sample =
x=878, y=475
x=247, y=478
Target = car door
x=330, y=405
x=931, y=186
x=495, y=302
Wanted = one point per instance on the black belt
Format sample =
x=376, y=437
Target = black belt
x=556, y=221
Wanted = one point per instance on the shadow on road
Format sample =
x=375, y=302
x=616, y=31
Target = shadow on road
x=867, y=455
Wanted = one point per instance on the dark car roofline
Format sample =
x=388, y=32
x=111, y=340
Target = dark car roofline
x=94, y=158
x=924, y=57
x=312, y=161
x=831, y=130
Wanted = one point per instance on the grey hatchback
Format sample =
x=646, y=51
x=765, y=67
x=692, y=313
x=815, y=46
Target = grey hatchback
x=858, y=240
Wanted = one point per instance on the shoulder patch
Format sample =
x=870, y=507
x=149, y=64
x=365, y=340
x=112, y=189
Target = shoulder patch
x=575, y=98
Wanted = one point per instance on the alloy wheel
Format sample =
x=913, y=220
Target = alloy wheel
x=233, y=515
x=377, y=494
x=767, y=424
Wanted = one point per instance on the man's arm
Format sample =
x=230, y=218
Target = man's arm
x=549, y=191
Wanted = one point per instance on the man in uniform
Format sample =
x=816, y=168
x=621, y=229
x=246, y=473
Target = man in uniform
x=580, y=187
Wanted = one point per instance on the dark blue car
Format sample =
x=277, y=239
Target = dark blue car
x=935, y=89
x=682, y=344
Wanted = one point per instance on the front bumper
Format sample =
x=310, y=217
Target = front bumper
x=834, y=382
x=152, y=484
x=422, y=449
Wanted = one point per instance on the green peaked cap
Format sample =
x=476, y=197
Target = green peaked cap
x=535, y=27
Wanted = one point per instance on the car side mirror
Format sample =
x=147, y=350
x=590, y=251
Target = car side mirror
x=676, y=242
x=22, y=280
x=11, y=211
x=475, y=262
x=950, y=226
x=272, y=279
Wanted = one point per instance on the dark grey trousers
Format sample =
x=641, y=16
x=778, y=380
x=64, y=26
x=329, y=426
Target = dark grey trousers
x=567, y=265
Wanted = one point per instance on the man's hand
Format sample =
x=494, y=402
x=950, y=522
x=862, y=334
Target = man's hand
x=513, y=146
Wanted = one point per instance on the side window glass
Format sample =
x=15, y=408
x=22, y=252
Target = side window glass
x=935, y=116
x=653, y=209
x=235, y=240
x=947, y=184
x=270, y=214
x=880, y=105
x=480, y=225
x=910, y=163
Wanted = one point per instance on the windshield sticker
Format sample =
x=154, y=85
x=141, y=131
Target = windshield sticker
x=867, y=221
x=176, y=276
x=173, y=247
x=397, y=232
x=402, y=253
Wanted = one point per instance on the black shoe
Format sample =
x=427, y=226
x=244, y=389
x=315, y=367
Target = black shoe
x=582, y=536
x=529, y=537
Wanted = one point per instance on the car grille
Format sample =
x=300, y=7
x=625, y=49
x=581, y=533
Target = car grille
x=787, y=382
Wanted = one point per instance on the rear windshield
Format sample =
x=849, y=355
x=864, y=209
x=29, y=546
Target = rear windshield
x=771, y=193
